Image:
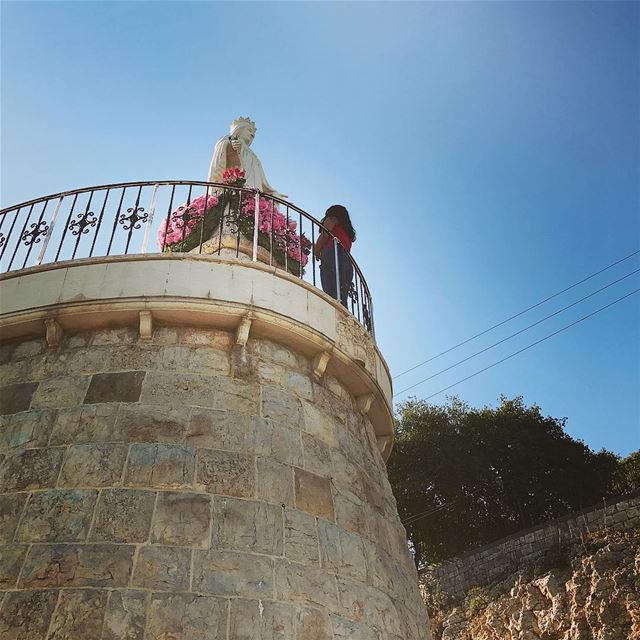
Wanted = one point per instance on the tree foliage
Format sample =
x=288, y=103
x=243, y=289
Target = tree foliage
x=464, y=477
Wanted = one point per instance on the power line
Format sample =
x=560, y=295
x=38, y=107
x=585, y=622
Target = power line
x=520, y=313
x=533, y=344
x=513, y=335
x=418, y=516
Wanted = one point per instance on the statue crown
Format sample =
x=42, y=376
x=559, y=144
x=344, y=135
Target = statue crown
x=240, y=121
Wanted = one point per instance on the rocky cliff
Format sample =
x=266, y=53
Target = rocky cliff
x=588, y=590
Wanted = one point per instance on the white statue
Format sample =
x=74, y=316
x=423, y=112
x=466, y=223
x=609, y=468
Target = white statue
x=234, y=151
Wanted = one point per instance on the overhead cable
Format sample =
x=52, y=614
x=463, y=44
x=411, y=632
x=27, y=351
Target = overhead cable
x=520, y=313
x=533, y=344
x=517, y=333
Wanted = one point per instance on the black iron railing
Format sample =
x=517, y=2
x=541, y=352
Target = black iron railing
x=177, y=216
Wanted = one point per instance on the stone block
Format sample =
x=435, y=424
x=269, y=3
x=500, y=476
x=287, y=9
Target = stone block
x=78, y=565
x=313, y=494
x=341, y=551
x=226, y=473
x=262, y=620
x=245, y=525
x=346, y=629
x=305, y=584
x=216, y=428
x=301, y=537
x=351, y=513
x=317, y=454
x=151, y=423
x=93, y=465
x=15, y=372
x=270, y=373
x=92, y=423
x=79, y=615
x=314, y=624
x=115, y=387
x=277, y=353
x=275, y=440
x=29, y=429
x=227, y=573
x=123, y=515
x=166, y=335
x=11, y=506
x=116, y=336
x=281, y=406
x=320, y=424
x=57, y=515
x=15, y=398
x=214, y=338
x=31, y=469
x=209, y=360
x=26, y=615
x=185, y=616
x=56, y=393
x=161, y=465
x=29, y=348
x=11, y=558
x=174, y=358
x=162, y=569
x=275, y=482
x=125, y=616
x=300, y=385
x=182, y=519
x=214, y=392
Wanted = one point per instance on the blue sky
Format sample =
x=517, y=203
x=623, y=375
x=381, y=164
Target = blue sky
x=489, y=154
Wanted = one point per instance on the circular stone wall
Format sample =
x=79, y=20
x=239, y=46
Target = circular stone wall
x=183, y=488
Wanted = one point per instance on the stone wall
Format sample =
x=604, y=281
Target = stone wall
x=454, y=578
x=184, y=488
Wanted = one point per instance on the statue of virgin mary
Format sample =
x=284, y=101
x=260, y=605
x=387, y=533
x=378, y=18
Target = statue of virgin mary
x=235, y=150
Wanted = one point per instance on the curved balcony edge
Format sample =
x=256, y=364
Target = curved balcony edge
x=248, y=298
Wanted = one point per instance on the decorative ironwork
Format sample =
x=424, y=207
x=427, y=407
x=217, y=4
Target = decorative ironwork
x=353, y=293
x=134, y=221
x=366, y=318
x=231, y=200
x=33, y=236
x=79, y=226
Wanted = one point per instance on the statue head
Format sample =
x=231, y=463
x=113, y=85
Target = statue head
x=244, y=129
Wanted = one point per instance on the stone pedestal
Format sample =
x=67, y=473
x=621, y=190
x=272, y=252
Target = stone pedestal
x=199, y=455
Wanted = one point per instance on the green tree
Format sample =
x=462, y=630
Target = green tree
x=464, y=477
x=628, y=474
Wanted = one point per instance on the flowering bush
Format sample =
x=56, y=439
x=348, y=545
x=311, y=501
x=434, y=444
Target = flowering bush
x=182, y=222
x=234, y=176
x=187, y=224
x=285, y=237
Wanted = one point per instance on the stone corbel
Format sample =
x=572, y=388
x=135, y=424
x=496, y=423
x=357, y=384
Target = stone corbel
x=146, y=325
x=54, y=332
x=242, y=332
x=319, y=364
x=364, y=403
x=384, y=445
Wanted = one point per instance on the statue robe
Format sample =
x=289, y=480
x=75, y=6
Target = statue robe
x=225, y=157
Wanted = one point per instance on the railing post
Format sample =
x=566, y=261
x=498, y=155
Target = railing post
x=152, y=210
x=48, y=236
x=335, y=255
x=256, y=217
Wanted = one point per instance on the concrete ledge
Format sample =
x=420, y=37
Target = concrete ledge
x=201, y=291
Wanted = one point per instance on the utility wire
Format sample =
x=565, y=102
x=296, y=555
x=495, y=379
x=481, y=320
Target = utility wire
x=520, y=313
x=517, y=333
x=533, y=344
x=418, y=516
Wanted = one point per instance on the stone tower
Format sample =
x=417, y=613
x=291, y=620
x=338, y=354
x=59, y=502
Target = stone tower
x=193, y=448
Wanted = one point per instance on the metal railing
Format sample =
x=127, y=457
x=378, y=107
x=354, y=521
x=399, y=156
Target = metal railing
x=185, y=217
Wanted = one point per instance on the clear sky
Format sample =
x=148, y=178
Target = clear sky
x=489, y=154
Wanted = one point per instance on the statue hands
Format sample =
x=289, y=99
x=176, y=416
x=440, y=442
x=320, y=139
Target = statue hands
x=236, y=144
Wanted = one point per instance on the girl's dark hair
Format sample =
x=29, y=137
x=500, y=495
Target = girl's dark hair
x=342, y=215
